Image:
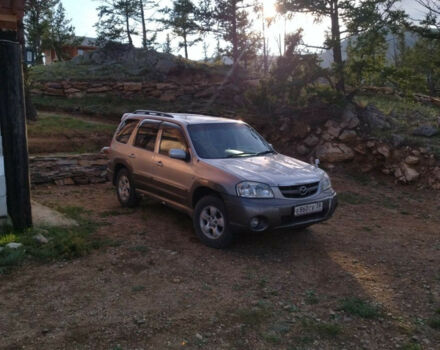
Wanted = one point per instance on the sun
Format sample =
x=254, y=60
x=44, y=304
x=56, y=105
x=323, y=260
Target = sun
x=269, y=8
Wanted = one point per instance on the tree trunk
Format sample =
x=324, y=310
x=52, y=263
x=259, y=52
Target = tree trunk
x=234, y=33
x=185, y=45
x=127, y=28
x=336, y=46
x=144, y=28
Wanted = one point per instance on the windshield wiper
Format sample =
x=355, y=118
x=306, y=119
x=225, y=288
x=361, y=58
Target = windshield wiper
x=264, y=152
x=236, y=155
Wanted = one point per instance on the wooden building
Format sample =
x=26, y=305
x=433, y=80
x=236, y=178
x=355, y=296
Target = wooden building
x=71, y=51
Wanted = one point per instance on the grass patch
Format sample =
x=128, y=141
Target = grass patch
x=112, y=107
x=311, y=298
x=49, y=124
x=323, y=329
x=411, y=346
x=63, y=243
x=361, y=308
x=253, y=317
x=352, y=198
x=434, y=322
x=136, y=289
x=8, y=238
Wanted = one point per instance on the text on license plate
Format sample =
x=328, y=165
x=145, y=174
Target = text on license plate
x=308, y=209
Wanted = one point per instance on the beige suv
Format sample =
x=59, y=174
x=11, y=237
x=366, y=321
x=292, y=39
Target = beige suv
x=219, y=171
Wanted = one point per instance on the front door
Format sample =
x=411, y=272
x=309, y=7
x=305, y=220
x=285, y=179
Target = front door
x=174, y=177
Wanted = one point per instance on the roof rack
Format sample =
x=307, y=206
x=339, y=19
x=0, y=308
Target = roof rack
x=154, y=113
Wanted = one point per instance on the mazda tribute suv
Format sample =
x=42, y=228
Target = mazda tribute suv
x=219, y=171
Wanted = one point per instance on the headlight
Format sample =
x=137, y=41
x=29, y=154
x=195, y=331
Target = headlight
x=325, y=182
x=249, y=189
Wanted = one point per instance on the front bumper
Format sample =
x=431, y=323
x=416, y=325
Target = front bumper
x=275, y=212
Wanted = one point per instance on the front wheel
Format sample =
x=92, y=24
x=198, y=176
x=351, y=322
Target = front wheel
x=211, y=223
x=125, y=189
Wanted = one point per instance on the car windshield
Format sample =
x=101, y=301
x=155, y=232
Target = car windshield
x=227, y=140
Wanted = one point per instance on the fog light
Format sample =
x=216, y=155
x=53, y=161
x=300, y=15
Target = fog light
x=255, y=222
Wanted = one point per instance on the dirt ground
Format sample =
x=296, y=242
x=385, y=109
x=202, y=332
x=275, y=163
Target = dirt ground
x=158, y=287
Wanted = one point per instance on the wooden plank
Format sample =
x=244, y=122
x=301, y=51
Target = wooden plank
x=14, y=136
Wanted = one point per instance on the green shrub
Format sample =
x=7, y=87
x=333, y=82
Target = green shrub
x=358, y=307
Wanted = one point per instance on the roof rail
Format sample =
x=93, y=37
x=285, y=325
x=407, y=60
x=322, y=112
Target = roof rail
x=154, y=113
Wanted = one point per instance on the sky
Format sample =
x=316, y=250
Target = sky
x=84, y=15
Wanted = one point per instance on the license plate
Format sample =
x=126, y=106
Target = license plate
x=308, y=209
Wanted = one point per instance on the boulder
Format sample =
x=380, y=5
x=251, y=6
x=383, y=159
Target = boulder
x=99, y=89
x=14, y=245
x=374, y=118
x=348, y=136
x=384, y=150
x=349, y=117
x=334, y=152
x=302, y=150
x=425, y=131
x=412, y=160
x=397, y=140
x=311, y=140
x=168, y=96
x=333, y=128
x=132, y=86
x=409, y=174
x=300, y=129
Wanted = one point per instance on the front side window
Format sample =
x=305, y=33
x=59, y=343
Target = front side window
x=227, y=140
x=172, y=138
x=146, y=136
x=125, y=130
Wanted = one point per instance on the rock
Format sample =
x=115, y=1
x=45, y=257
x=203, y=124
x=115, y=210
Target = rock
x=99, y=89
x=349, y=117
x=397, y=140
x=302, y=150
x=132, y=86
x=168, y=96
x=348, y=136
x=334, y=152
x=384, y=150
x=199, y=336
x=311, y=140
x=333, y=129
x=40, y=238
x=361, y=149
x=300, y=129
x=14, y=245
x=410, y=174
x=411, y=160
x=374, y=118
x=425, y=131
x=1, y=249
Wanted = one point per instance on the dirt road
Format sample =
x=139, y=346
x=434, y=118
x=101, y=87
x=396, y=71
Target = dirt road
x=367, y=279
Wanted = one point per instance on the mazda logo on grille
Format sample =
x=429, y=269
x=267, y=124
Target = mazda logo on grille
x=303, y=190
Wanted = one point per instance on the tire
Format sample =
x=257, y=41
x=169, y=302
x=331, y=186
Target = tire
x=125, y=189
x=211, y=223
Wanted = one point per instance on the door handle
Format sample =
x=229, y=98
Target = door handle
x=132, y=155
x=159, y=163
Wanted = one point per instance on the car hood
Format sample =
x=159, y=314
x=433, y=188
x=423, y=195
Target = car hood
x=273, y=169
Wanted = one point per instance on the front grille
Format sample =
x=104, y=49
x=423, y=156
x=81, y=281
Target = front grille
x=299, y=191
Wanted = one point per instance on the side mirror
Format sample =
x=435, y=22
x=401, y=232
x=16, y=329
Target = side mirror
x=178, y=154
x=317, y=162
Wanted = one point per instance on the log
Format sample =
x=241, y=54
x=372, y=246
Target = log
x=13, y=128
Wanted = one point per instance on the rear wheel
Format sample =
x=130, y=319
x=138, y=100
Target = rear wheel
x=211, y=222
x=125, y=189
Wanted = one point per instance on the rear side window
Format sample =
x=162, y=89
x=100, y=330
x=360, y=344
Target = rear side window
x=125, y=130
x=172, y=137
x=146, y=136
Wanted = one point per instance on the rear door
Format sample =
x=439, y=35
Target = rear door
x=144, y=145
x=174, y=177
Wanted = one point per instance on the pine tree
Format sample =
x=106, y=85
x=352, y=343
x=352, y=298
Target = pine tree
x=115, y=20
x=181, y=19
x=357, y=16
x=60, y=32
x=36, y=24
x=235, y=28
x=147, y=41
